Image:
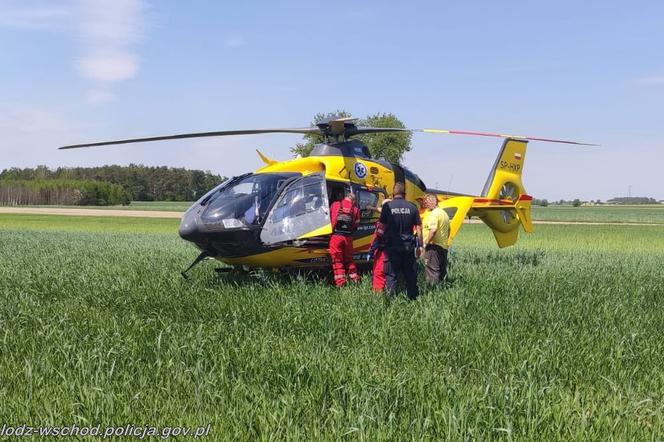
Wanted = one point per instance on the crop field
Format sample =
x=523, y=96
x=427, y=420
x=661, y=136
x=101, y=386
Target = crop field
x=175, y=206
x=649, y=214
x=624, y=214
x=639, y=214
x=557, y=338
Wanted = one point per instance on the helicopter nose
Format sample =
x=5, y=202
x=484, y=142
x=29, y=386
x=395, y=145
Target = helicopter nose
x=189, y=229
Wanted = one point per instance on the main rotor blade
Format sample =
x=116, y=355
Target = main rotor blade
x=374, y=130
x=302, y=130
x=349, y=131
x=489, y=134
x=370, y=130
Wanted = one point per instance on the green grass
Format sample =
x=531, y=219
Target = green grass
x=606, y=214
x=650, y=214
x=558, y=338
x=175, y=206
x=172, y=206
x=88, y=224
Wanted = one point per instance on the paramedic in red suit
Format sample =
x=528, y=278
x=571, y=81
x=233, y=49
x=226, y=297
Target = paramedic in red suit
x=345, y=217
x=377, y=252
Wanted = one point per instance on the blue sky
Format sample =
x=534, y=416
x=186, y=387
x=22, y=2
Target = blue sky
x=77, y=71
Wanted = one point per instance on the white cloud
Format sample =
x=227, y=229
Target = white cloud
x=109, y=67
x=117, y=23
x=26, y=121
x=109, y=33
x=653, y=80
x=33, y=15
x=30, y=136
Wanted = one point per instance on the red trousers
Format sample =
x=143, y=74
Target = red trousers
x=378, y=280
x=341, y=252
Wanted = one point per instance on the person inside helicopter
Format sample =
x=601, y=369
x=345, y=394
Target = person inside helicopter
x=336, y=191
x=245, y=201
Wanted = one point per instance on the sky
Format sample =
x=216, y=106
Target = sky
x=89, y=70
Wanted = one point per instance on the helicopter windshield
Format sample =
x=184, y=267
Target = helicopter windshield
x=301, y=209
x=244, y=202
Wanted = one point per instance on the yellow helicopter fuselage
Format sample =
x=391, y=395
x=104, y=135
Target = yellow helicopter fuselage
x=278, y=217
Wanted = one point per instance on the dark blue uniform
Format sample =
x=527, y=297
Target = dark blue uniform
x=399, y=218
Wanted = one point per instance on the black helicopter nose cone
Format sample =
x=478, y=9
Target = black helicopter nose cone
x=189, y=226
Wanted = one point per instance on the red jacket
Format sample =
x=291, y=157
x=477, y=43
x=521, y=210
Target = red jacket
x=336, y=206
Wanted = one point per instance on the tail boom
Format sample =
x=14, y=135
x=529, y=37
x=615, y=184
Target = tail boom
x=503, y=205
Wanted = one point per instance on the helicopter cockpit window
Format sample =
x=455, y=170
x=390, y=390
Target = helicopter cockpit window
x=368, y=204
x=301, y=209
x=244, y=202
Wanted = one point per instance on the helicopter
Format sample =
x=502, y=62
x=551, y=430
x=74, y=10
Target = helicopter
x=278, y=217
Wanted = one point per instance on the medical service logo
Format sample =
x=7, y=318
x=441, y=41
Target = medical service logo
x=360, y=170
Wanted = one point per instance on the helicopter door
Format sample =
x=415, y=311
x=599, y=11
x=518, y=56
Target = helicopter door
x=301, y=211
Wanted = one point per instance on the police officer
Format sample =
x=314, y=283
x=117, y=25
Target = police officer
x=398, y=219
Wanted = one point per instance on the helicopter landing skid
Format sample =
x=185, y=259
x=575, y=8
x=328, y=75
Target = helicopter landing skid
x=196, y=261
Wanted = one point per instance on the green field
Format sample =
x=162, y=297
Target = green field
x=606, y=214
x=175, y=206
x=557, y=338
x=650, y=214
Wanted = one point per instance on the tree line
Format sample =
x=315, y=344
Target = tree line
x=632, y=200
x=61, y=192
x=613, y=201
x=140, y=183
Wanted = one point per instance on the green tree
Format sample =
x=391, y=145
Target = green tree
x=388, y=145
x=142, y=183
x=576, y=203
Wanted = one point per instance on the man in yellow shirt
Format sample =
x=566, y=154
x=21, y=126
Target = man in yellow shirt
x=436, y=232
